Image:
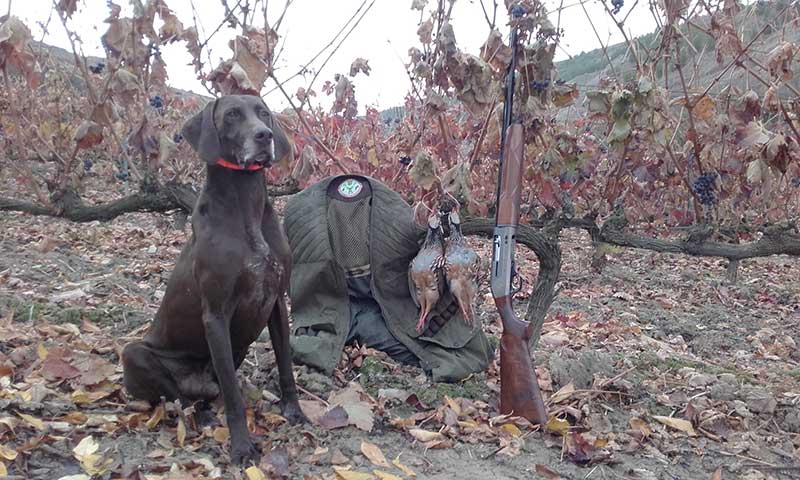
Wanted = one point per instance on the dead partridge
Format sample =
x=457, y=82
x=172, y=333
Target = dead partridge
x=461, y=268
x=425, y=270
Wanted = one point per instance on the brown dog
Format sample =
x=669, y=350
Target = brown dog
x=230, y=279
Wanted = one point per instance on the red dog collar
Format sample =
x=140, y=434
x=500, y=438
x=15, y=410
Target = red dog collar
x=233, y=166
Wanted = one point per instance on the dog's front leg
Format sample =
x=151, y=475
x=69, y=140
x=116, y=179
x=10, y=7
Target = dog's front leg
x=217, y=326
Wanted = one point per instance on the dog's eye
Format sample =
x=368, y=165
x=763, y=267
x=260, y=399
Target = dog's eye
x=232, y=114
x=263, y=113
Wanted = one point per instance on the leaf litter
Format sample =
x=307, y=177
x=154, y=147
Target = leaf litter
x=686, y=373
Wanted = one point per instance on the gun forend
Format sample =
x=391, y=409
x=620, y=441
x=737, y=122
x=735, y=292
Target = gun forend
x=511, y=177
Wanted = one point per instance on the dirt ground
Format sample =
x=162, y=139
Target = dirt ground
x=655, y=369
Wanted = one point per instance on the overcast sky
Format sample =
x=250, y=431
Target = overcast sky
x=383, y=37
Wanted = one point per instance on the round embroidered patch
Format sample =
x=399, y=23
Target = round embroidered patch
x=350, y=188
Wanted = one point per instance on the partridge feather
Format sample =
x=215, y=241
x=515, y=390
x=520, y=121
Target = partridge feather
x=425, y=270
x=462, y=266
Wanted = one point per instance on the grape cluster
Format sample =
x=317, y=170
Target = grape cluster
x=704, y=186
x=177, y=138
x=617, y=4
x=87, y=164
x=97, y=68
x=540, y=86
x=405, y=160
x=157, y=102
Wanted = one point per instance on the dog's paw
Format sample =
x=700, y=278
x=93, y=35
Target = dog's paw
x=244, y=452
x=291, y=411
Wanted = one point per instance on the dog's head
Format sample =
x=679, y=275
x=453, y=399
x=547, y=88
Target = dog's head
x=238, y=128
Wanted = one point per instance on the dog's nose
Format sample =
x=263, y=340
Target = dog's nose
x=263, y=136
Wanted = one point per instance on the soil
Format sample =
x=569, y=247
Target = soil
x=653, y=335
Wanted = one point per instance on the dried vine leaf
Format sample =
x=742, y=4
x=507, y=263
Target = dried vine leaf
x=705, y=109
x=67, y=7
x=777, y=154
x=124, y=85
x=304, y=166
x=473, y=81
x=88, y=135
x=456, y=181
x=418, y=4
x=345, y=97
x=756, y=170
x=495, y=52
x=425, y=32
x=780, y=62
x=193, y=46
x=674, y=9
x=14, y=39
x=423, y=172
x=143, y=140
x=172, y=29
x=565, y=95
x=726, y=36
x=359, y=65
x=247, y=71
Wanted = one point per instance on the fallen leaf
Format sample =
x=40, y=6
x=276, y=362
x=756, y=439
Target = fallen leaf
x=403, y=468
x=359, y=412
x=563, y=393
x=255, y=473
x=33, y=421
x=717, y=474
x=92, y=462
x=556, y=425
x=155, y=419
x=385, y=476
x=7, y=453
x=547, y=473
x=374, y=454
x=276, y=463
x=4, y=472
x=335, y=417
x=677, y=423
x=344, y=473
x=511, y=429
x=41, y=351
x=453, y=405
x=181, y=432
x=425, y=435
x=641, y=426
x=80, y=396
x=221, y=434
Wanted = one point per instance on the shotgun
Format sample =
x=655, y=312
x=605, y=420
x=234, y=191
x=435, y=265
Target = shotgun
x=519, y=388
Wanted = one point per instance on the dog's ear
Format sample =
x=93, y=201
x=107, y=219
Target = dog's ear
x=284, y=152
x=201, y=133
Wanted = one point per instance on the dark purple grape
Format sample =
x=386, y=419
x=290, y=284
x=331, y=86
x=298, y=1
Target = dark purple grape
x=177, y=138
x=617, y=4
x=97, y=68
x=87, y=164
x=704, y=186
x=540, y=86
x=157, y=102
x=796, y=182
x=123, y=176
x=405, y=160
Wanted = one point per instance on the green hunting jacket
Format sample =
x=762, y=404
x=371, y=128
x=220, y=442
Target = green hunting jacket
x=319, y=295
